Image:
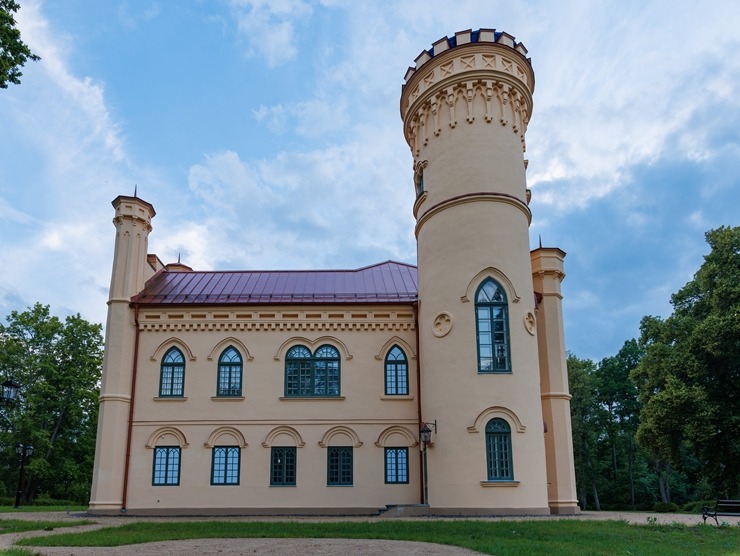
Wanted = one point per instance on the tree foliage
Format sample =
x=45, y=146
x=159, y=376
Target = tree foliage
x=689, y=380
x=13, y=51
x=58, y=364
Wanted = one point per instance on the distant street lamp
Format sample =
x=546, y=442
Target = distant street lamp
x=24, y=453
x=9, y=391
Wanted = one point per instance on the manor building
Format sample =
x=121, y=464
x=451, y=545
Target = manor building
x=436, y=389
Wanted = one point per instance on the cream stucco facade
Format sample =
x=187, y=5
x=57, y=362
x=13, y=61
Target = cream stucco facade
x=486, y=371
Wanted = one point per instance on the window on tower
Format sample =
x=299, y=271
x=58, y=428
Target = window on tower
x=492, y=324
x=498, y=451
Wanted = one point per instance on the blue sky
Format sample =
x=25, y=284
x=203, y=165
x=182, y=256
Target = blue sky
x=267, y=135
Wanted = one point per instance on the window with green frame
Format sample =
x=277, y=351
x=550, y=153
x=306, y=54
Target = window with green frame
x=225, y=465
x=283, y=466
x=498, y=451
x=312, y=375
x=492, y=326
x=229, y=373
x=166, y=467
x=172, y=376
x=396, y=373
x=339, y=466
x=397, y=465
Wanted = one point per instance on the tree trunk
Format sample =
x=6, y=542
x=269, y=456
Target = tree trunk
x=663, y=468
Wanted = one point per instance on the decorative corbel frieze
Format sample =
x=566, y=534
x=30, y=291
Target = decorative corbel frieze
x=451, y=93
x=470, y=94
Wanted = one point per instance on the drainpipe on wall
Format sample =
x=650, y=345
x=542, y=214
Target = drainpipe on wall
x=422, y=478
x=131, y=408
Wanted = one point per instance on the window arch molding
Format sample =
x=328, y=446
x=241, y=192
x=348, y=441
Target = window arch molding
x=496, y=411
x=225, y=431
x=494, y=274
x=163, y=434
x=219, y=348
x=340, y=430
x=165, y=346
x=396, y=430
x=400, y=342
x=313, y=345
x=283, y=430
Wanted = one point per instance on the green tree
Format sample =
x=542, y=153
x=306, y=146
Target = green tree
x=13, y=51
x=583, y=410
x=58, y=363
x=689, y=379
x=616, y=396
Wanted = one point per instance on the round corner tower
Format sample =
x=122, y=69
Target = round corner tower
x=465, y=108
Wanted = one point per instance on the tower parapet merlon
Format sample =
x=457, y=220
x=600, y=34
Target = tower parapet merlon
x=482, y=76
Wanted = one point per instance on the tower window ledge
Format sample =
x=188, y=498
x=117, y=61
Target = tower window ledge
x=401, y=398
x=170, y=398
x=499, y=483
x=227, y=398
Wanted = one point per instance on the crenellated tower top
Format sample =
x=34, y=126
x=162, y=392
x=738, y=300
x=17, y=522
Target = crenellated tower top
x=479, y=76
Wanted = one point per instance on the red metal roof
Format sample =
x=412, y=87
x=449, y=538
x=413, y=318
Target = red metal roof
x=388, y=282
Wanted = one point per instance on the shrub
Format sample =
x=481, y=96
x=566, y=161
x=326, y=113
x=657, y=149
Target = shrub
x=665, y=507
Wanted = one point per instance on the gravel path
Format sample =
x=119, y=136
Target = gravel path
x=291, y=547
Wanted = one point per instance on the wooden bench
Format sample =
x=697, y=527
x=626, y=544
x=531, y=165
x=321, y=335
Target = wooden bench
x=728, y=508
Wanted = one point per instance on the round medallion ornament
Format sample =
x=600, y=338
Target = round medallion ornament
x=530, y=322
x=442, y=325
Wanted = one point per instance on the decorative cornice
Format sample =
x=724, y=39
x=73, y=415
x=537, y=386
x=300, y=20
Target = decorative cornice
x=472, y=198
x=180, y=326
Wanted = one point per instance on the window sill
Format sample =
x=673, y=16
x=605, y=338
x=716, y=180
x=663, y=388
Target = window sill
x=340, y=486
x=282, y=486
x=499, y=483
x=494, y=372
x=396, y=397
x=311, y=398
x=170, y=398
x=227, y=398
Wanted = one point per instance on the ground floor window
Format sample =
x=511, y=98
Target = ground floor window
x=498, y=450
x=283, y=467
x=166, y=465
x=396, y=465
x=339, y=466
x=225, y=465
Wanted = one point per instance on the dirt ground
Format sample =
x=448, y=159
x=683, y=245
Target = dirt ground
x=293, y=547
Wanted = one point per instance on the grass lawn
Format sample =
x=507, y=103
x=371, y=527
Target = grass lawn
x=502, y=538
x=21, y=525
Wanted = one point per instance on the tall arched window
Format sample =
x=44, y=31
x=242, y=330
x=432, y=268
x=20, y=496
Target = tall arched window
x=492, y=323
x=312, y=375
x=498, y=451
x=396, y=373
x=172, y=377
x=229, y=373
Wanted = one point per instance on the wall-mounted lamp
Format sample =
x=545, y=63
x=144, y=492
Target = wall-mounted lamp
x=425, y=432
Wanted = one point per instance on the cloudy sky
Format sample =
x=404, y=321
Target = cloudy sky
x=266, y=133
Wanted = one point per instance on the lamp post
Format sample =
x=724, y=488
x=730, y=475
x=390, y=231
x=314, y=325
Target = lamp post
x=24, y=453
x=425, y=435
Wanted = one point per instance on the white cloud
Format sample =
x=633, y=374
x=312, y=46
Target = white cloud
x=268, y=27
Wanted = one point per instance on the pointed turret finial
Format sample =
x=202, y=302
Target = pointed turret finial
x=135, y=187
x=178, y=258
x=540, y=241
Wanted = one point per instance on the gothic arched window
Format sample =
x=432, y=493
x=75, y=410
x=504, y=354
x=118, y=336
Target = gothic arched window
x=312, y=375
x=396, y=373
x=492, y=324
x=229, y=373
x=172, y=376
